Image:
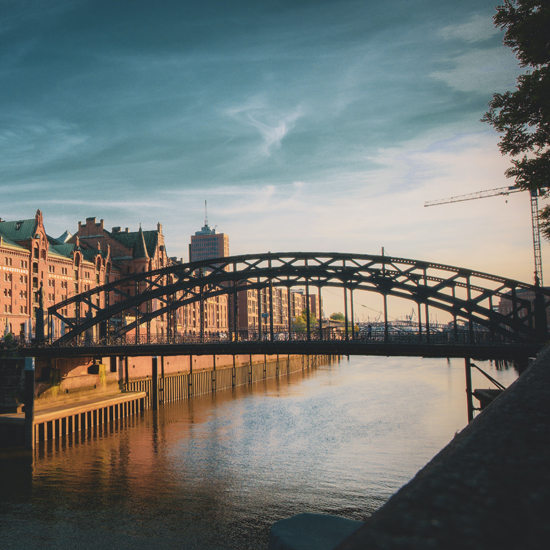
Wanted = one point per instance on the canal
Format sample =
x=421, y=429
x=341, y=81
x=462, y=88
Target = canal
x=216, y=471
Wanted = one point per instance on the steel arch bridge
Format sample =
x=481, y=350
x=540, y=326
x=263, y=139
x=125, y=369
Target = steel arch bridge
x=470, y=297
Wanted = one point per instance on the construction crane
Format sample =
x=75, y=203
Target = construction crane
x=508, y=191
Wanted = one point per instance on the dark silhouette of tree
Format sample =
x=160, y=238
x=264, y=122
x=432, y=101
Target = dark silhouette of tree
x=523, y=116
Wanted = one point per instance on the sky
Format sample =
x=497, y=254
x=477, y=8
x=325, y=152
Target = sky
x=306, y=125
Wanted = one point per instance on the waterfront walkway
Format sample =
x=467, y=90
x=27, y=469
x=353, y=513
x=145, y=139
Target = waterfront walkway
x=56, y=421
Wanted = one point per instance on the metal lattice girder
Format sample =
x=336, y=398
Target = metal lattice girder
x=465, y=294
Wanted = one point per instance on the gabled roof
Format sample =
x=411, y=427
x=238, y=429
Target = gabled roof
x=148, y=238
x=140, y=249
x=90, y=254
x=21, y=230
x=65, y=237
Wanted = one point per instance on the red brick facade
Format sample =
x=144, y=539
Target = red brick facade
x=33, y=264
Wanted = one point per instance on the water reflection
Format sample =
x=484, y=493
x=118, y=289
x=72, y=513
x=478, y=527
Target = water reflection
x=218, y=470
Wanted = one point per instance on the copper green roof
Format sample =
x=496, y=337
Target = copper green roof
x=11, y=244
x=90, y=254
x=130, y=240
x=21, y=230
x=63, y=250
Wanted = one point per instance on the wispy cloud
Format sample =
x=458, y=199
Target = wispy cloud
x=25, y=142
x=272, y=124
x=481, y=70
x=478, y=28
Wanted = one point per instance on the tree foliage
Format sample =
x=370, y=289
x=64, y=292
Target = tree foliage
x=338, y=316
x=523, y=116
x=300, y=324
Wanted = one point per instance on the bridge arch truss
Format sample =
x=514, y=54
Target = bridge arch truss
x=470, y=297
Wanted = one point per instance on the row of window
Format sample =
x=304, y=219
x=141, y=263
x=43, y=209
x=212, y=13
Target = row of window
x=22, y=293
x=8, y=278
x=8, y=309
x=63, y=284
x=23, y=264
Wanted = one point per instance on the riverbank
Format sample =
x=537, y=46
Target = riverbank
x=58, y=414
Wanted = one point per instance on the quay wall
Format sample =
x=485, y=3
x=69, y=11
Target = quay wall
x=175, y=386
x=99, y=397
x=68, y=380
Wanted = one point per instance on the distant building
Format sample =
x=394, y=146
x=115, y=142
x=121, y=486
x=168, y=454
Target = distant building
x=207, y=244
x=316, y=306
x=252, y=303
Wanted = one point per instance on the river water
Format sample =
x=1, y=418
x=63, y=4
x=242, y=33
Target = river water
x=216, y=471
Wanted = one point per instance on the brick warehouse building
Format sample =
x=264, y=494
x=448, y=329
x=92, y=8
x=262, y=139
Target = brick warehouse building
x=34, y=263
x=132, y=252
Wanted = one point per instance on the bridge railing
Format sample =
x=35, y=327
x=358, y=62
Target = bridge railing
x=391, y=336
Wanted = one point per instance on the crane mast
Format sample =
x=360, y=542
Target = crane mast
x=536, y=236
x=507, y=191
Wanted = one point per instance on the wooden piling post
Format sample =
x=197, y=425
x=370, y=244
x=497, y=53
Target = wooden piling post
x=29, y=402
x=214, y=373
x=190, y=384
x=155, y=388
